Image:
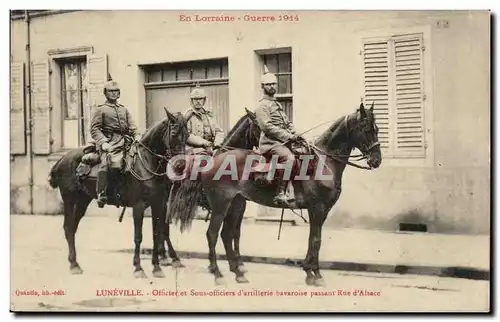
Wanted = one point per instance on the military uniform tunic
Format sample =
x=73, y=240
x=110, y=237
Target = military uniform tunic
x=202, y=128
x=275, y=126
x=109, y=123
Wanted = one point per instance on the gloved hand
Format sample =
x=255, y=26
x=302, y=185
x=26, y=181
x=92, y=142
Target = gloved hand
x=106, y=146
x=298, y=138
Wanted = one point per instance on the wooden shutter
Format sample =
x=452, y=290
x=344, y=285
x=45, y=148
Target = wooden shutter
x=97, y=75
x=393, y=79
x=376, y=82
x=17, y=110
x=40, y=101
x=409, y=96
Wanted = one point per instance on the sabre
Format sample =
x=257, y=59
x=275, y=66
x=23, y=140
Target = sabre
x=123, y=213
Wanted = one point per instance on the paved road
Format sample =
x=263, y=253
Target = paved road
x=38, y=265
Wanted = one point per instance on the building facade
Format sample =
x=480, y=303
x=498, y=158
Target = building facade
x=428, y=73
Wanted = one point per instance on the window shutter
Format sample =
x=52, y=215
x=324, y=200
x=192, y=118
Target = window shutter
x=40, y=102
x=376, y=83
x=97, y=69
x=393, y=79
x=17, y=110
x=409, y=96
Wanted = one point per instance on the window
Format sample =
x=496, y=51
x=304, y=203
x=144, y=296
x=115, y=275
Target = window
x=188, y=71
x=73, y=101
x=393, y=79
x=281, y=65
x=169, y=85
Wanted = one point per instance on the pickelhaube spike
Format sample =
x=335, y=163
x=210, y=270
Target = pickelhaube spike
x=268, y=78
x=198, y=92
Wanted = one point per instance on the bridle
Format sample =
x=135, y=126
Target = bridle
x=338, y=157
x=165, y=157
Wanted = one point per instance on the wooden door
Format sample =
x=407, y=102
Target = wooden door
x=176, y=99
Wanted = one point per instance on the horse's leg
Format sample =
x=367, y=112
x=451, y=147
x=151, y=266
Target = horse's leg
x=162, y=250
x=220, y=206
x=138, y=214
x=238, y=207
x=321, y=217
x=74, y=210
x=317, y=216
x=156, y=210
x=176, y=262
x=227, y=235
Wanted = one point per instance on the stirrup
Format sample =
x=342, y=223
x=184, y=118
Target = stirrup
x=281, y=197
x=102, y=200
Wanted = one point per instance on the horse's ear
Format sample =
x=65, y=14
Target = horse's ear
x=250, y=113
x=171, y=116
x=362, y=111
x=371, y=107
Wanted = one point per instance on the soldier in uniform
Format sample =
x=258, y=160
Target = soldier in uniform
x=110, y=122
x=204, y=131
x=276, y=129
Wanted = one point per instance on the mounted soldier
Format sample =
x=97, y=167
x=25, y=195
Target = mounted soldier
x=111, y=122
x=205, y=133
x=277, y=130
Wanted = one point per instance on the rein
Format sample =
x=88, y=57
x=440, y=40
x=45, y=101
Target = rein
x=154, y=174
x=335, y=157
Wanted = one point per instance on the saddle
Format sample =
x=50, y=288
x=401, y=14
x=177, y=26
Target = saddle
x=262, y=169
x=91, y=159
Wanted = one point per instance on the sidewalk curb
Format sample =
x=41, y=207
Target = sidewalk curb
x=440, y=271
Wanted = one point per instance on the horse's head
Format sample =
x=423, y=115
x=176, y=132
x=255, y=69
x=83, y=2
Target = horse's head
x=363, y=132
x=175, y=136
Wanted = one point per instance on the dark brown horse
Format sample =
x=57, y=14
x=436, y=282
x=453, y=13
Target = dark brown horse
x=143, y=185
x=227, y=194
x=243, y=136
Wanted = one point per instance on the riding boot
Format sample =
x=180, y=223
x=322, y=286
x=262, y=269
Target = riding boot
x=102, y=185
x=114, y=182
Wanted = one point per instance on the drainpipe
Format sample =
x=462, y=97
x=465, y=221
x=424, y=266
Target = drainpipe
x=29, y=132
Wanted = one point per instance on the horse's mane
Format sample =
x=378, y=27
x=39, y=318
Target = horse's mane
x=337, y=129
x=334, y=128
x=235, y=128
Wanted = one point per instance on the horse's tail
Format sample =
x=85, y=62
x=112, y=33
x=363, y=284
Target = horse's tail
x=54, y=175
x=183, y=202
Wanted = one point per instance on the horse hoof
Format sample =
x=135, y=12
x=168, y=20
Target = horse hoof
x=140, y=274
x=158, y=273
x=164, y=262
x=310, y=280
x=241, y=279
x=319, y=281
x=177, y=264
x=220, y=281
x=242, y=269
x=76, y=270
